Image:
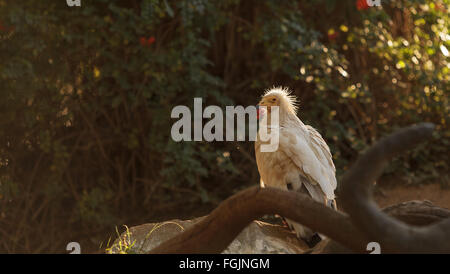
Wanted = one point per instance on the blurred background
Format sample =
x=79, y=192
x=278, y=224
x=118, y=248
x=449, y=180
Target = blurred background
x=87, y=92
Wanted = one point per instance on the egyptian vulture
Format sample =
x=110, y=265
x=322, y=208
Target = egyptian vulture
x=302, y=161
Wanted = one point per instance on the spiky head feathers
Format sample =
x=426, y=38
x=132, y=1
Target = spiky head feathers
x=282, y=97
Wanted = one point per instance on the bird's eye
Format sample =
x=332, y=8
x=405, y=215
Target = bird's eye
x=274, y=99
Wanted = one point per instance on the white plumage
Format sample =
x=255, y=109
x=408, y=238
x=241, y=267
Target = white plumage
x=302, y=158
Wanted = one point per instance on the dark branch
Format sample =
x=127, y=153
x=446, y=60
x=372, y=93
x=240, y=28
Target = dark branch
x=214, y=233
x=393, y=235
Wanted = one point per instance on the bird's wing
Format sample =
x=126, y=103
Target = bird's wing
x=319, y=143
x=306, y=148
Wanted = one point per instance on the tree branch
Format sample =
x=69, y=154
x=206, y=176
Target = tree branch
x=393, y=235
x=217, y=230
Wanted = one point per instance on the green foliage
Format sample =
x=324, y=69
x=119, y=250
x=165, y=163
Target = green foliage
x=87, y=94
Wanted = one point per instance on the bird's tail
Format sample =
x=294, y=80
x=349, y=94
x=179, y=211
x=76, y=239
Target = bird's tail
x=304, y=233
x=310, y=237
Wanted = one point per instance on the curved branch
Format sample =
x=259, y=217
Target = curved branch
x=217, y=230
x=393, y=235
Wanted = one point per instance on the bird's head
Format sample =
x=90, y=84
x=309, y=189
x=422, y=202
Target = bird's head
x=280, y=97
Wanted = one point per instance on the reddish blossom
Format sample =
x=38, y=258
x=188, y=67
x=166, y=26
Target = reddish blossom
x=362, y=4
x=146, y=42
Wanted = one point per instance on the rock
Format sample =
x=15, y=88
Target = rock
x=257, y=238
x=264, y=238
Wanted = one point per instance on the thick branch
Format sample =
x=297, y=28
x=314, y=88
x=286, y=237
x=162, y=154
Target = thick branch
x=393, y=235
x=214, y=233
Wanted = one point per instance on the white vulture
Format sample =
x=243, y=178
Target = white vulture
x=302, y=161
